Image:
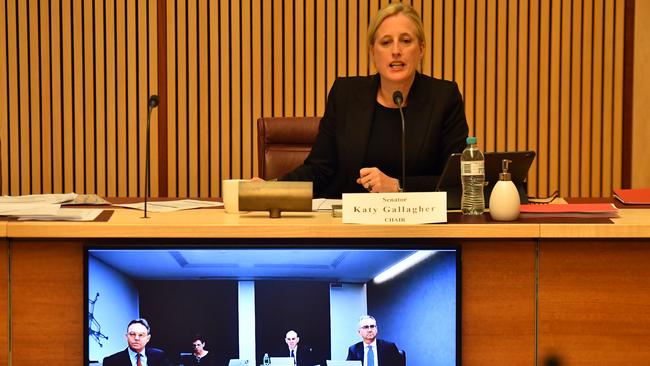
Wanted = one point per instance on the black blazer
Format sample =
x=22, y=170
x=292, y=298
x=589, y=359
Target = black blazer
x=305, y=356
x=435, y=128
x=387, y=353
x=155, y=357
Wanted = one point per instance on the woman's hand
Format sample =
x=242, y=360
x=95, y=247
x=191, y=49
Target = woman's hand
x=374, y=180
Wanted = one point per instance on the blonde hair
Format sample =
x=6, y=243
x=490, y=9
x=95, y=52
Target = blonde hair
x=394, y=9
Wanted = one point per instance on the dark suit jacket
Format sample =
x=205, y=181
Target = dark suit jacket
x=305, y=357
x=387, y=353
x=155, y=357
x=435, y=128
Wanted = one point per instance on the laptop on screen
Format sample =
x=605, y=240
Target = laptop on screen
x=281, y=361
x=450, y=179
x=343, y=363
x=237, y=362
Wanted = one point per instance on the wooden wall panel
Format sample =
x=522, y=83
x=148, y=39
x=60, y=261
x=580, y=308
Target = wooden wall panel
x=47, y=298
x=498, y=292
x=542, y=75
x=4, y=302
x=535, y=75
x=76, y=76
x=593, y=302
x=641, y=108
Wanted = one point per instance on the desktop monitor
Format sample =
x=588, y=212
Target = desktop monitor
x=243, y=300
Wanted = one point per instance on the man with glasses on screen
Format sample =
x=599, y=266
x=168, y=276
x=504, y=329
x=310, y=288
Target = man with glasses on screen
x=138, y=334
x=372, y=351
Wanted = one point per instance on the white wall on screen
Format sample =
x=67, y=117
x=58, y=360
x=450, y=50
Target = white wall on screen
x=246, y=306
x=118, y=303
x=347, y=304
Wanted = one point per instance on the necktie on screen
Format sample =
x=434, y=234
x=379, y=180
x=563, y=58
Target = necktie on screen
x=137, y=356
x=371, y=357
x=293, y=355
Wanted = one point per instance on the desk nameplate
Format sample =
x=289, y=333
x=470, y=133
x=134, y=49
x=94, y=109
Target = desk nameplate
x=395, y=208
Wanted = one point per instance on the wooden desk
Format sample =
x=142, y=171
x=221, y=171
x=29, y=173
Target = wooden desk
x=589, y=301
x=215, y=223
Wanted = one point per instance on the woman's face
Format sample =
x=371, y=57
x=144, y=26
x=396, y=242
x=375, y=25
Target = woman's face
x=397, y=51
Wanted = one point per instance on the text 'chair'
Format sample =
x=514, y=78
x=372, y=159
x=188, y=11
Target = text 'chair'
x=284, y=143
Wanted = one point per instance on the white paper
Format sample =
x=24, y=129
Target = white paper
x=37, y=208
x=171, y=206
x=66, y=214
x=324, y=204
x=87, y=199
x=43, y=198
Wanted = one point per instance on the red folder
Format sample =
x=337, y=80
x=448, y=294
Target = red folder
x=639, y=196
x=570, y=210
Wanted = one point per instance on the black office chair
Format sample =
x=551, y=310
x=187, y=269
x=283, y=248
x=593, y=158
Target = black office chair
x=402, y=356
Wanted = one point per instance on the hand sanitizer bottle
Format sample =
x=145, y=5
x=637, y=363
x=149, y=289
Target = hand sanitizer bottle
x=504, y=200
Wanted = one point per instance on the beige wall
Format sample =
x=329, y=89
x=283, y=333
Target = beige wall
x=641, y=113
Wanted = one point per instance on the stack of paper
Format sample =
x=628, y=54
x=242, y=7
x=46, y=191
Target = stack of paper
x=66, y=214
x=39, y=198
x=45, y=207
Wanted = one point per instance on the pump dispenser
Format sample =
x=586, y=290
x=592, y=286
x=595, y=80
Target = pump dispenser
x=504, y=200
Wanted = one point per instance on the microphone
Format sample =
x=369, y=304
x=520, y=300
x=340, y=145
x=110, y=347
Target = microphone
x=153, y=103
x=399, y=99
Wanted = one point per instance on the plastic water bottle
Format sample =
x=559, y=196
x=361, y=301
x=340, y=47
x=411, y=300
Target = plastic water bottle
x=472, y=174
x=267, y=360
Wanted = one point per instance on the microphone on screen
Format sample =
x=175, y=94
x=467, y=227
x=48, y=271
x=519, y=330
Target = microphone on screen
x=398, y=98
x=153, y=103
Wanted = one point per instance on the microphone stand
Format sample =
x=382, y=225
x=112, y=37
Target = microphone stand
x=153, y=103
x=399, y=99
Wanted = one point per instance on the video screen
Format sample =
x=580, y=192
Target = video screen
x=279, y=306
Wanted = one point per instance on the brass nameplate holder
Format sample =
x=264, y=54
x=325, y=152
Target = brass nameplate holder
x=275, y=197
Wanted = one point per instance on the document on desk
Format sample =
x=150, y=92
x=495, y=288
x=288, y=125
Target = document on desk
x=29, y=208
x=324, y=204
x=87, y=199
x=66, y=214
x=39, y=198
x=171, y=206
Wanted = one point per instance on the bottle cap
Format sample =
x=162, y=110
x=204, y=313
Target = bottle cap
x=504, y=167
x=471, y=140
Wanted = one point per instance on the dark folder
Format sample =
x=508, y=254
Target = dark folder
x=450, y=179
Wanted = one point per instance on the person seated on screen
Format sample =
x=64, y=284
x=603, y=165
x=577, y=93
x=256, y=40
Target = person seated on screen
x=200, y=356
x=138, y=334
x=359, y=144
x=372, y=351
x=301, y=354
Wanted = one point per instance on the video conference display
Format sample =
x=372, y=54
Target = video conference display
x=248, y=303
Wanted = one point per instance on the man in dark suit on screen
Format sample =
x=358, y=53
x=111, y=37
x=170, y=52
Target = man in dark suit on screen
x=302, y=355
x=372, y=351
x=138, y=334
